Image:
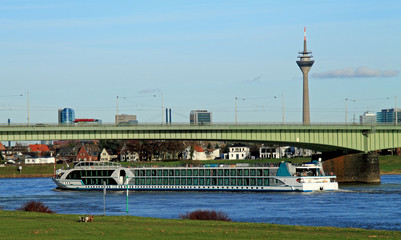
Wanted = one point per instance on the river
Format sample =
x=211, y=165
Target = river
x=359, y=206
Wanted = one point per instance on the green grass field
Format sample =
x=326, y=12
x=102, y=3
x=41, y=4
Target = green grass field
x=30, y=225
x=11, y=169
x=390, y=164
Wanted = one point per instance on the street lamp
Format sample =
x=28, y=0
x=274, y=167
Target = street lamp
x=117, y=117
x=236, y=115
x=161, y=95
x=236, y=121
x=282, y=102
x=117, y=110
x=395, y=109
x=27, y=94
x=346, y=111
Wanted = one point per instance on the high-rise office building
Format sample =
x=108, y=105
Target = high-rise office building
x=200, y=117
x=389, y=116
x=66, y=116
x=126, y=119
x=367, y=118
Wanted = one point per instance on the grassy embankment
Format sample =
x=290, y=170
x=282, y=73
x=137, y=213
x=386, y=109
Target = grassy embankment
x=388, y=165
x=30, y=225
x=11, y=170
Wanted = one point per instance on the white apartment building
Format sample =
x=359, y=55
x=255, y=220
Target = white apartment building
x=239, y=151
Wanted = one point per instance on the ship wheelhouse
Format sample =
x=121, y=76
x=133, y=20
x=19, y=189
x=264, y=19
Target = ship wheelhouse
x=93, y=177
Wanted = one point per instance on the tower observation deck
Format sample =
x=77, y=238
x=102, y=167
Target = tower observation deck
x=305, y=63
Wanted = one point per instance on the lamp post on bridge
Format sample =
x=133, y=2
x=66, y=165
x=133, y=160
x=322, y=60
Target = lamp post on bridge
x=282, y=102
x=236, y=120
x=395, y=109
x=161, y=96
x=346, y=110
x=28, y=115
x=28, y=108
x=236, y=114
x=117, y=118
x=117, y=111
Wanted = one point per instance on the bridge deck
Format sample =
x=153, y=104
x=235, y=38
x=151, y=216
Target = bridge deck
x=362, y=138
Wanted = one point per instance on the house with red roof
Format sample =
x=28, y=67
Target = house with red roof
x=38, y=148
x=205, y=154
x=2, y=148
x=88, y=152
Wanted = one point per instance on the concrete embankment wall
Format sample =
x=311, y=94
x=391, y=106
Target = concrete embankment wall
x=358, y=167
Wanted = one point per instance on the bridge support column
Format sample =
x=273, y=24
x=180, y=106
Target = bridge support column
x=358, y=167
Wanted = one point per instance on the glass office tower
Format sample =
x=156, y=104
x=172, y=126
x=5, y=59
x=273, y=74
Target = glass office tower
x=200, y=117
x=66, y=116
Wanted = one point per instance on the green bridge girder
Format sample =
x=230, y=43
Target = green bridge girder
x=359, y=138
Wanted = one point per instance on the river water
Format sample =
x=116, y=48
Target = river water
x=358, y=206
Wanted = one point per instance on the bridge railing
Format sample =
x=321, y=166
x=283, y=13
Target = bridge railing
x=40, y=125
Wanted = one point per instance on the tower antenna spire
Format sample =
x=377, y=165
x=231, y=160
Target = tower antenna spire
x=305, y=39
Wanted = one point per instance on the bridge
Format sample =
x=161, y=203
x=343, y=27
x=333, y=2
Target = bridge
x=325, y=138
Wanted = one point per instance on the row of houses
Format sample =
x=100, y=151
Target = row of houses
x=41, y=153
x=31, y=154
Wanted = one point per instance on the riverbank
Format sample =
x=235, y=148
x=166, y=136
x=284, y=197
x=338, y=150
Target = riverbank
x=26, y=175
x=23, y=225
x=28, y=171
x=388, y=165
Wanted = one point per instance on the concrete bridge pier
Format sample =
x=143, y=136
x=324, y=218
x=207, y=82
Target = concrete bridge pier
x=354, y=168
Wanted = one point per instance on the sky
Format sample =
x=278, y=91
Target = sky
x=206, y=54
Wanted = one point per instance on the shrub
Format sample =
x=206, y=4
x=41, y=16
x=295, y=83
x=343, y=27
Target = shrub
x=34, y=206
x=206, y=215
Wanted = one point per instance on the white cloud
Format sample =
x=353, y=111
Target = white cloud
x=253, y=80
x=149, y=91
x=361, y=72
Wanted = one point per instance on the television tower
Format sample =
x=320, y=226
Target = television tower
x=305, y=63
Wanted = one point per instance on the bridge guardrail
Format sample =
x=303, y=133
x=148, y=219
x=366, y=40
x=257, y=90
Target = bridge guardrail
x=41, y=125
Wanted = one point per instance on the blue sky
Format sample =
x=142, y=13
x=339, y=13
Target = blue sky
x=198, y=55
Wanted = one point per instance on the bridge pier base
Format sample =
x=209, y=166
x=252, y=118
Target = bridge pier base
x=357, y=167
